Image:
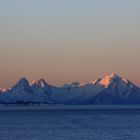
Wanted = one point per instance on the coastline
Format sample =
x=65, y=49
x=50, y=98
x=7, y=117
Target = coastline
x=67, y=107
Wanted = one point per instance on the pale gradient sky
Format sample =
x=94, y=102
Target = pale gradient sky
x=69, y=40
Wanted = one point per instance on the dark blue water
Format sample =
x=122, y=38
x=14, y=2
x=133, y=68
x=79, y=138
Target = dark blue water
x=70, y=125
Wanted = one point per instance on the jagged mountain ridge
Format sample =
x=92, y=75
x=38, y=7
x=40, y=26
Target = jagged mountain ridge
x=110, y=90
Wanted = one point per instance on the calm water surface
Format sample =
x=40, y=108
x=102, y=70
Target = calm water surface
x=70, y=125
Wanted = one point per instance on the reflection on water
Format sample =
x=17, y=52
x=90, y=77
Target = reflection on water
x=70, y=125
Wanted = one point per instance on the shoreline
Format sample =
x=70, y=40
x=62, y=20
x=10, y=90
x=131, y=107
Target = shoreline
x=67, y=107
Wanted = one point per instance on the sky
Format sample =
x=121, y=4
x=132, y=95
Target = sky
x=69, y=40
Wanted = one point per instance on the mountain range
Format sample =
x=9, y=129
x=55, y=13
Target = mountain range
x=112, y=89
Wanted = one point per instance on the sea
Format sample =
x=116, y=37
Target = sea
x=100, y=124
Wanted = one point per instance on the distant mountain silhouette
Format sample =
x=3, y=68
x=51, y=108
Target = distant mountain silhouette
x=112, y=89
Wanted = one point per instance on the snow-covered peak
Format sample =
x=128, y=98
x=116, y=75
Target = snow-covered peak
x=109, y=79
x=42, y=83
x=114, y=75
x=125, y=80
x=3, y=89
x=112, y=89
x=23, y=81
x=33, y=82
x=22, y=84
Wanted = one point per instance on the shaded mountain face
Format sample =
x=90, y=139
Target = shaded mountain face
x=22, y=86
x=41, y=89
x=112, y=89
